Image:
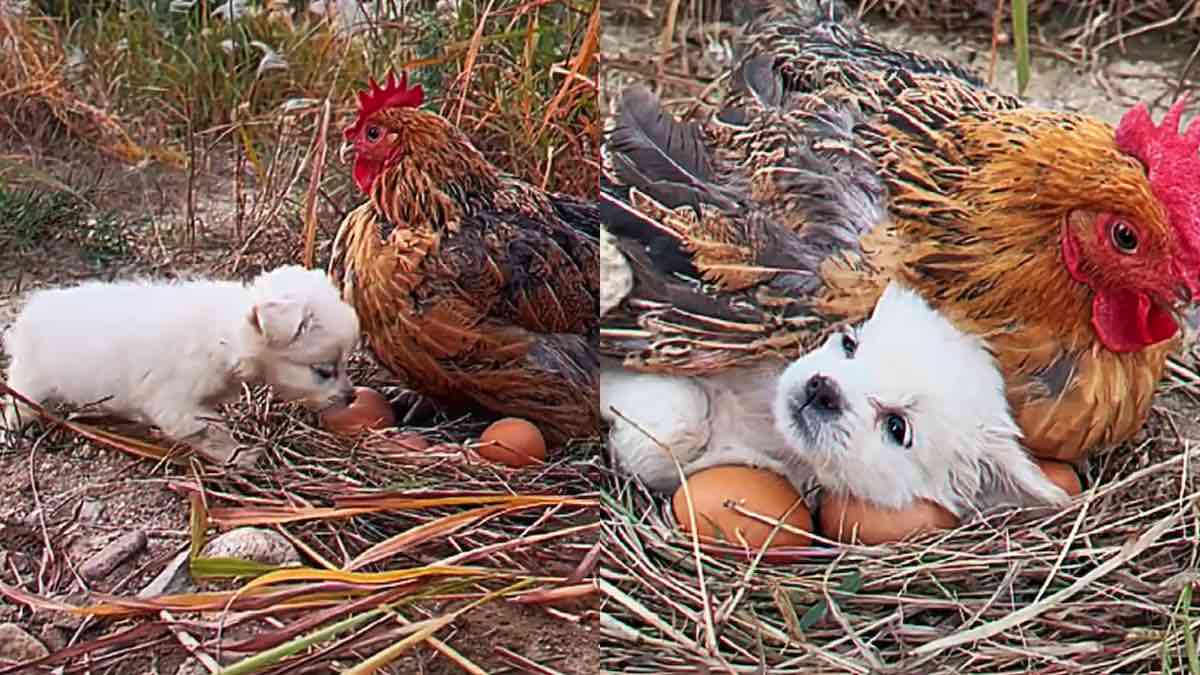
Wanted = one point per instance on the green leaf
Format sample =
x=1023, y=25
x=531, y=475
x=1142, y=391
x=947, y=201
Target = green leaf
x=850, y=585
x=230, y=567
x=813, y=615
x=1189, y=640
x=1020, y=17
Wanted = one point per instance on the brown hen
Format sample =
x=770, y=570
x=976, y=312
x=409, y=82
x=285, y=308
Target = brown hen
x=478, y=289
x=838, y=163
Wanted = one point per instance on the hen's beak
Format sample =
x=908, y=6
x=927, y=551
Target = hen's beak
x=346, y=152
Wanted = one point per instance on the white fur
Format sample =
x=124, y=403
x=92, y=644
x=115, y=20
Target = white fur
x=965, y=451
x=701, y=421
x=616, y=277
x=168, y=353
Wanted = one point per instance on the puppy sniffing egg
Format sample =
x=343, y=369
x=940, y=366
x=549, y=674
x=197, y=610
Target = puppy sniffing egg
x=757, y=490
x=368, y=410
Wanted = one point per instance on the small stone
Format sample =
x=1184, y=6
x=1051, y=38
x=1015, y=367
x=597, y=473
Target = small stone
x=54, y=637
x=110, y=557
x=91, y=511
x=245, y=543
x=253, y=543
x=175, y=578
x=33, y=518
x=17, y=646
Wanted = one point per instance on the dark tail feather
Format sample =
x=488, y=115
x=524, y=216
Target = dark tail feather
x=662, y=156
x=625, y=222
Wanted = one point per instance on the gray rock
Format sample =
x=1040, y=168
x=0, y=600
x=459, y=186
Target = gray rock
x=17, y=646
x=175, y=578
x=111, y=556
x=245, y=543
x=91, y=511
x=253, y=543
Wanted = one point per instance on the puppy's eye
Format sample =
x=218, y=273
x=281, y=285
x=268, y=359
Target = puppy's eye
x=325, y=371
x=898, y=430
x=849, y=345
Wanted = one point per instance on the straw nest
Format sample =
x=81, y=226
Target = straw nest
x=397, y=545
x=1104, y=585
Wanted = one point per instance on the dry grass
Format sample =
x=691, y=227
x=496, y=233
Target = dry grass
x=1102, y=586
x=398, y=544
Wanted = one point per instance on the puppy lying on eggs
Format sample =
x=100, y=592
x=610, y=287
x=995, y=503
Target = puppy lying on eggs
x=905, y=407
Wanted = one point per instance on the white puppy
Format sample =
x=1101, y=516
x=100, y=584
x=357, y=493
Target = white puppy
x=168, y=353
x=906, y=406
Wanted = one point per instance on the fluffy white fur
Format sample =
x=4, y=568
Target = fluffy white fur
x=920, y=412
x=964, y=452
x=168, y=353
x=702, y=422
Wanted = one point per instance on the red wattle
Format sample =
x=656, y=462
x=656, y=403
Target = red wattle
x=365, y=174
x=1127, y=321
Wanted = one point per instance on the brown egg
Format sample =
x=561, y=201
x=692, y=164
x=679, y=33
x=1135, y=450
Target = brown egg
x=757, y=490
x=1061, y=474
x=369, y=410
x=840, y=514
x=513, y=441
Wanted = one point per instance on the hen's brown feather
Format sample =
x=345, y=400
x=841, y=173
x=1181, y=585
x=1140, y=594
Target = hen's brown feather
x=475, y=287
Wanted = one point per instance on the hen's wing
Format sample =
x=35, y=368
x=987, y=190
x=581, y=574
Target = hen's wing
x=816, y=45
x=727, y=224
x=528, y=265
x=498, y=305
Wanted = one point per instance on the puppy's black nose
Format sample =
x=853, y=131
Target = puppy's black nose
x=824, y=394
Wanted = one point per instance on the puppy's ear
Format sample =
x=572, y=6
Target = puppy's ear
x=1005, y=468
x=279, y=322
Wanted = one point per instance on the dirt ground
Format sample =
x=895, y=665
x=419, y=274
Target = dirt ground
x=72, y=497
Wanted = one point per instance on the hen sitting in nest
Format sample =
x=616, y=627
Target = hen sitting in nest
x=476, y=288
x=839, y=164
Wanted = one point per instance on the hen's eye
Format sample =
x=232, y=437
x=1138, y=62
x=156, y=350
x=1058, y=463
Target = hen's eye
x=897, y=428
x=1123, y=237
x=849, y=345
x=373, y=133
x=325, y=371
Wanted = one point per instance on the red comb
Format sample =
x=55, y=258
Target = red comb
x=1171, y=162
x=392, y=95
